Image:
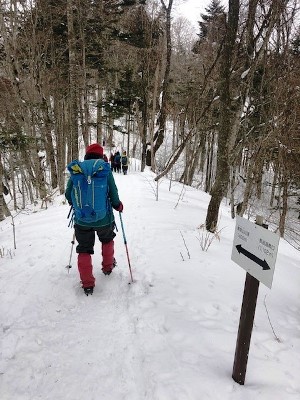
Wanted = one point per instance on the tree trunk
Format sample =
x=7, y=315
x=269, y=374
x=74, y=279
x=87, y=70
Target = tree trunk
x=60, y=134
x=222, y=173
x=209, y=162
x=13, y=182
x=73, y=101
x=284, y=210
x=247, y=192
x=2, y=217
x=275, y=178
x=232, y=189
x=99, y=114
x=160, y=134
x=49, y=143
x=144, y=131
x=152, y=119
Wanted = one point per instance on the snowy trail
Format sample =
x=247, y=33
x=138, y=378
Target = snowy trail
x=68, y=342
x=168, y=336
x=96, y=335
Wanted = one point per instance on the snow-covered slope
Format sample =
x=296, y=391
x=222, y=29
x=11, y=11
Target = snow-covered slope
x=170, y=335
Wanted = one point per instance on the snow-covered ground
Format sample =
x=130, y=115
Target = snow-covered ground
x=170, y=335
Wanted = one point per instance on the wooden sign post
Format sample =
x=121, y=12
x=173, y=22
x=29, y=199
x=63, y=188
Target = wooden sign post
x=245, y=329
x=256, y=252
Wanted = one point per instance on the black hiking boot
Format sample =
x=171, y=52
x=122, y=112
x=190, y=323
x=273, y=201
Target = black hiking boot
x=88, y=290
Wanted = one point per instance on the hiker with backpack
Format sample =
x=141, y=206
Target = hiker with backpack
x=92, y=192
x=112, y=162
x=124, y=162
x=117, y=161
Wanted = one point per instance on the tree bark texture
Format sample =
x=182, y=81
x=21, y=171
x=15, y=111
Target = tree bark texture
x=160, y=134
x=73, y=101
x=222, y=171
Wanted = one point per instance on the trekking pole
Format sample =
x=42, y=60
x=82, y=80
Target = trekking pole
x=71, y=216
x=125, y=242
x=71, y=208
x=73, y=241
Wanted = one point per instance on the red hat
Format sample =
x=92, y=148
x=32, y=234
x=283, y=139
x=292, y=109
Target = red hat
x=95, y=149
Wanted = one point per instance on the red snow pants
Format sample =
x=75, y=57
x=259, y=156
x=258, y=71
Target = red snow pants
x=85, y=237
x=107, y=256
x=85, y=269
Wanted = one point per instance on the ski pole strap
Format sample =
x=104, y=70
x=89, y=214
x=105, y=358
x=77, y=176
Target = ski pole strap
x=122, y=226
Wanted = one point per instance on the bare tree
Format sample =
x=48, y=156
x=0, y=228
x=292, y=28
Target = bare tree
x=159, y=135
x=222, y=176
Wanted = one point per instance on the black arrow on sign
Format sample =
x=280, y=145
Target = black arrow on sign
x=259, y=261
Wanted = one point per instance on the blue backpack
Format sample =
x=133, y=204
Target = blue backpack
x=117, y=159
x=90, y=190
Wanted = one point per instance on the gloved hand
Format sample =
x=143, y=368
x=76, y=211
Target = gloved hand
x=120, y=207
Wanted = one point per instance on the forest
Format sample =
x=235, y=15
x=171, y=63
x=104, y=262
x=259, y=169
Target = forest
x=217, y=110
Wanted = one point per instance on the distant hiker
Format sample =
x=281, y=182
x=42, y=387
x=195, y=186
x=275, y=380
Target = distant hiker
x=124, y=162
x=112, y=162
x=105, y=158
x=92, y=192
x=117, y=161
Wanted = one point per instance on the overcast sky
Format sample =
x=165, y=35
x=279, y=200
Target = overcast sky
x=191, y=9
